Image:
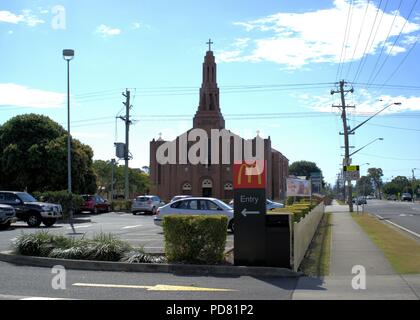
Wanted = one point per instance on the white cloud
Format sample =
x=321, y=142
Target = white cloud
x=297, y=39
x=106, y=31
x=12, y=94
x=10, y=32
x=136, y=25
x=366, y=103
x=26, y=17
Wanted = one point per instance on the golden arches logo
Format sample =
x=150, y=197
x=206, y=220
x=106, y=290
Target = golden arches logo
x=245, y=166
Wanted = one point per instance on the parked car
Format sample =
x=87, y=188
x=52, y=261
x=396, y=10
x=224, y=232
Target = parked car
x=196, y=206
x=270, y=205
x=95, y=204
x=360, y=200
x=392, y=197
x=7, y=216
x=406, y=196
x=31, y=211
x=370, y=197
x=180, y=197
x=146, y=204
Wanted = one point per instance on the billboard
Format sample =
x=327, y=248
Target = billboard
x=298, y=188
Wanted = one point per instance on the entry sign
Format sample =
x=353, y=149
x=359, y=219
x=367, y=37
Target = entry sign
x=249, y=182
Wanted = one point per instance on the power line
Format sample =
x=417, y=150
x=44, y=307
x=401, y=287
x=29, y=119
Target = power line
x=390, y=158
x=358, y=38
x=396, y=40
x=363, y=59
x=400, y=64
x=344, y=41
x=385, y=42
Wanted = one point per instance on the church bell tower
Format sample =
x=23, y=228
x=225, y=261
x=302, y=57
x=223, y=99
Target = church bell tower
x=208, y=115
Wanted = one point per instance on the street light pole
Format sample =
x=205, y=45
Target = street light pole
x=361, y=124
x=414, y=183
x=68, y=55
x=365, y=146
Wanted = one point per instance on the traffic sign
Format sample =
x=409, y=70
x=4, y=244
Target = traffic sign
x=351, y=172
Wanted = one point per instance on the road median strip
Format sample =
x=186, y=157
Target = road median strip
x=185, y=269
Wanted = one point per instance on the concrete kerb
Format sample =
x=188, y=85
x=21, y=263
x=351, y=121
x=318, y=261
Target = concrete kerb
x=184, y=269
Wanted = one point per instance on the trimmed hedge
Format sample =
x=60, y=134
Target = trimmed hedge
x=66, y=200
x=195, y=239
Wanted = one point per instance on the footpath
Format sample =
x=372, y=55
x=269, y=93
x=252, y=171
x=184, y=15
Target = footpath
x=352, y=249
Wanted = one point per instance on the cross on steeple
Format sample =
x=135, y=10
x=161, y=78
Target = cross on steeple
x=209, y=43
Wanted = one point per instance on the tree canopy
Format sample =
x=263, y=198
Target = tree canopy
x=138, y=180
x=303, y=168
x=33, y=156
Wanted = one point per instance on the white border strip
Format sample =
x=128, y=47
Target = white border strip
x=398, y=226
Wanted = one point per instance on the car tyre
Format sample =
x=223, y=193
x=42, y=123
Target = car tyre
x=34, y=220
x=232, y=226
x=134, y=213
x=154, y=210
x=49, y=222
x=95, y=210
x=5, y=226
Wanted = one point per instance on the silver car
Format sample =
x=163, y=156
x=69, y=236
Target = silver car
x=146, y=204
x=196, y=206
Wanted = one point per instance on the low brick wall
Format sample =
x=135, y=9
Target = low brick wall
x=303, y=232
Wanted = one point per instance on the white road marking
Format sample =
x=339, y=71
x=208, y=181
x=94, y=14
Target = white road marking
x=87, y=226
x=130, y=227
x=403, y=215
x=398, y=226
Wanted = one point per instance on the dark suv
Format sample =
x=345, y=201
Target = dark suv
x=31, y=211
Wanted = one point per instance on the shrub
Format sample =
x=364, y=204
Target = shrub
x=66, y=200
x=32, y=244
x=139, y=256
x=195, y=239
x=121, y=205
x=107, y=247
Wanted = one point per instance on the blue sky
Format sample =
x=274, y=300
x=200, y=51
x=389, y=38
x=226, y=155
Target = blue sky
x=157, y=48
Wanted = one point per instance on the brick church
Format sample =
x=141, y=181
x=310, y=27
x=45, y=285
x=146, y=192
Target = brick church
x=211, y=180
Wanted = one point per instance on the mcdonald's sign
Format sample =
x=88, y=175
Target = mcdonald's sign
x=249, y=175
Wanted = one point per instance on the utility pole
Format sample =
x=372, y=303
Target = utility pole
x=347, y=160
x=127, y=121
x=112, y=178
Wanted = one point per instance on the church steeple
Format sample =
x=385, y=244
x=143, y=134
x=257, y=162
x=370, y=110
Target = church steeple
x=208, y=115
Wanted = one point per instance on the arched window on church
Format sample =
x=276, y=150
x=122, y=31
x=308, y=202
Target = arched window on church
x=186, y=188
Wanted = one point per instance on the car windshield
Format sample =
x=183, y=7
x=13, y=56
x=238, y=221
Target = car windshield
x=26, y=197
x=142, y=198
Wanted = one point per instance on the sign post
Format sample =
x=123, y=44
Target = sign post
x=249, y=212
x=351, y=172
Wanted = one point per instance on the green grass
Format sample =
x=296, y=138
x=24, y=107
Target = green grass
x=402, y=252
x=317, y=261
x=340, y=202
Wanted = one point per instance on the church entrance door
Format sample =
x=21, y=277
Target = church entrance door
x=207, y=192
x=207, y=187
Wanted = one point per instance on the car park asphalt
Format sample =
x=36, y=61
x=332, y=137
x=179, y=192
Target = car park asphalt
x=138, y=230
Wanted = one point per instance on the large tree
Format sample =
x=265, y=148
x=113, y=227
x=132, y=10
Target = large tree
x=33, y=156
x=303, y=168
x=364, y=186
x=376, y=175
x=138, y=180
